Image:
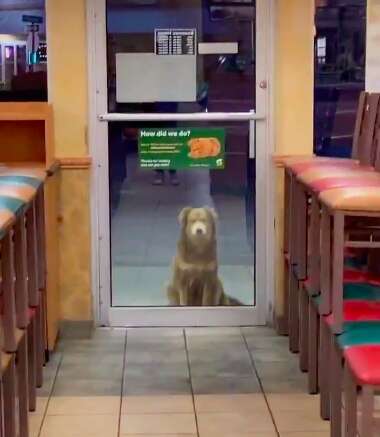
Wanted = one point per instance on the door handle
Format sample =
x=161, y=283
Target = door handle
x=263, y=84
x=252, y=139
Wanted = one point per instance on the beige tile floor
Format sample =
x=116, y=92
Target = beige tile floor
x=207, y=382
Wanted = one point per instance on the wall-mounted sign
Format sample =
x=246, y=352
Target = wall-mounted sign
x=42, y=52
x=182, y=148
x=218, y=48
x=175, y=41
x=165, y=79
x=34, y=19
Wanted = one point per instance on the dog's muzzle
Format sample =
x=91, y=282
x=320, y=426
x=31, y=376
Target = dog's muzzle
x=199, y=229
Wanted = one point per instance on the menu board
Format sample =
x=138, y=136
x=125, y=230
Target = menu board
x=175, y=41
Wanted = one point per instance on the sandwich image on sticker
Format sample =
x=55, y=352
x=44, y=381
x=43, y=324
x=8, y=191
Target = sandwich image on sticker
x=204, y=148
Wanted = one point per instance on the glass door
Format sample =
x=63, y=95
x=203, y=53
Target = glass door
x=180, y=118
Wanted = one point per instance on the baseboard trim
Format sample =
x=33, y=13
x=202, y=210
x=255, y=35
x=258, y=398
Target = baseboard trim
x=76, y=330
x=75, y=163
x=281, y=325
x=279, y=161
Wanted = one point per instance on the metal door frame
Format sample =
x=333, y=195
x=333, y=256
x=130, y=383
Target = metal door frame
x=261, y=146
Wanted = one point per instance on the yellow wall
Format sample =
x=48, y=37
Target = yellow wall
x=294, y=84
x=294, y=76
x=66, y=28
x=373, y=46
x=75, y=235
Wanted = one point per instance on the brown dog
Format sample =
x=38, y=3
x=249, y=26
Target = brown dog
x=195, y=279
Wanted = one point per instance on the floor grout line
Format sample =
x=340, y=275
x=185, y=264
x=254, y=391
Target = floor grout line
x=122, y=381
x=191, y=380
x=50, y=394
x=259, y=381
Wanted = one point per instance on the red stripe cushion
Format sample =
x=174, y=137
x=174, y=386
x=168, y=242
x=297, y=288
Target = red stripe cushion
x=364, y=363
x=358, y=311
x=339, y=182
x=300, y=167
x=31, y=313
x=351, y=275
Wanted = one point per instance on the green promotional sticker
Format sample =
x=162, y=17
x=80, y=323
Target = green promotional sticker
x=176, y=149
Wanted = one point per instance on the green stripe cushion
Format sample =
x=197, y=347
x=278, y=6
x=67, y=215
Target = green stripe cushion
x=355, y=291
x=11, y=203
x=354, y=263
x=359, y=333
x=317, y=300
x=361, y=291
x=20, y=180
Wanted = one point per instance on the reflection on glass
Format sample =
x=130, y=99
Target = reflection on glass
x=23, y=72
x=183, y=236
x=147, y=224
x=339, y=74
x=225, y=81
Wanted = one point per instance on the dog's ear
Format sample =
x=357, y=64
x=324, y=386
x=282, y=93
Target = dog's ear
x=182, y=217
x=212, y=212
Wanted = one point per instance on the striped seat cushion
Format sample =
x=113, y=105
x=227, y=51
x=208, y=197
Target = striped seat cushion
x=20, y=180
x=364, y=363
